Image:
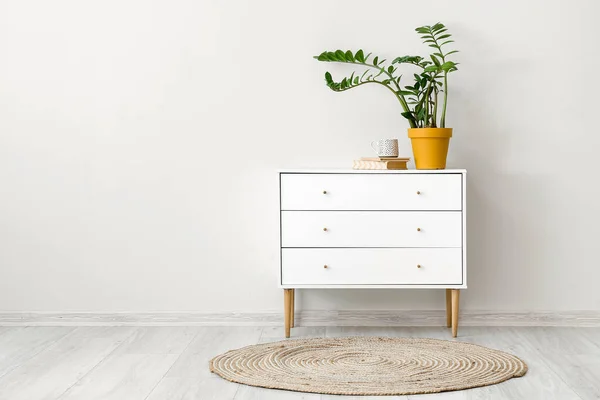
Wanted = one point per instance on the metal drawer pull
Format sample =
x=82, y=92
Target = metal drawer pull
x=325, y=266
x=418, y=192
x=325, y=229
x=418, y=265
x=324, y=191
x=418, y=229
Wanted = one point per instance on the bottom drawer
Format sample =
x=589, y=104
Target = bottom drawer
x=362, y=266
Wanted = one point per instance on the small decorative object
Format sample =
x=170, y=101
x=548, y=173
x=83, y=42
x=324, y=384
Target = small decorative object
x=380, y=163
x=385, y=147
x=421, y=101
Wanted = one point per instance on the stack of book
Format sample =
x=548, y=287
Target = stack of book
x=381, y=163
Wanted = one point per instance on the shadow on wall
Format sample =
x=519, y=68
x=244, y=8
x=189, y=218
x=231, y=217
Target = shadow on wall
x=511, y=236
x=509, y=248
x=511, y=239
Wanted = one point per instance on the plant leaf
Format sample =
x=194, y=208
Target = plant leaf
x=359, y=56
x=449, y=66
x=375, y=60
x=349, y=56
x=322, y=56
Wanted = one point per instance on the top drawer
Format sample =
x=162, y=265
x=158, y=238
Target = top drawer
x=403, y=191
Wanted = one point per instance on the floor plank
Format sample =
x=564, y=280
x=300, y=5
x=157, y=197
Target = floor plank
x=161, y=340
x=55, y=369
x=592, y=334
x=385, y=331
x=580, y=371
x=540, y=382
x=186, y=388
x=135, y=368
x=127, y=376
x=562, y=340
x=190, y=378
x=573, y=354
x=253, y=393
x=18, y=345
x=277, y=333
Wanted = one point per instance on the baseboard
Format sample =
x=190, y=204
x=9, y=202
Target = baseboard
x=304, y=318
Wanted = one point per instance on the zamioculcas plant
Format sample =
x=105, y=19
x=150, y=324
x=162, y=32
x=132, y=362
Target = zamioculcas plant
x=423, y=101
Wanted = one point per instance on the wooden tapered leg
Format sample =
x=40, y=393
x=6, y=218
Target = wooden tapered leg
x=448, y=308
x=287, y=299
x=292, y=307
x=455, y=300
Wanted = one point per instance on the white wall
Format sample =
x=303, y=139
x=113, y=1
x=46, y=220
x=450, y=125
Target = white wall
x=118, y=118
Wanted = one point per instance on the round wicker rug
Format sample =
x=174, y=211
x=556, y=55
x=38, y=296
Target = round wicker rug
x=367, y=366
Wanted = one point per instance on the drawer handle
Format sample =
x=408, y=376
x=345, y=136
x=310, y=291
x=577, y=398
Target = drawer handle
x=324, y=191
x=325, y=266
x=418, y=192
x=325, y=229
x=418, y=265
x=418, y=229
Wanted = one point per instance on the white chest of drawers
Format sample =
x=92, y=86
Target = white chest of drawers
x=373, y=229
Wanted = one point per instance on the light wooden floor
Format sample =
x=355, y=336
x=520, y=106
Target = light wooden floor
x=171, y=363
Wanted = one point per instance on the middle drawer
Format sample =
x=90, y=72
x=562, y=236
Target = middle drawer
x=371, y=229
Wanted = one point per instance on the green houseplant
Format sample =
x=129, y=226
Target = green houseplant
x=423, y=101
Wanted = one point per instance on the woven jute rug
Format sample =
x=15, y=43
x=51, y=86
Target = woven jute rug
x=367, y=366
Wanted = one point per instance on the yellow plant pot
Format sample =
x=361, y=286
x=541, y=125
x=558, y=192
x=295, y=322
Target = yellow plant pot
x=430, y=146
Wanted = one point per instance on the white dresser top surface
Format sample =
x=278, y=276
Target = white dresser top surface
x=372, y=171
